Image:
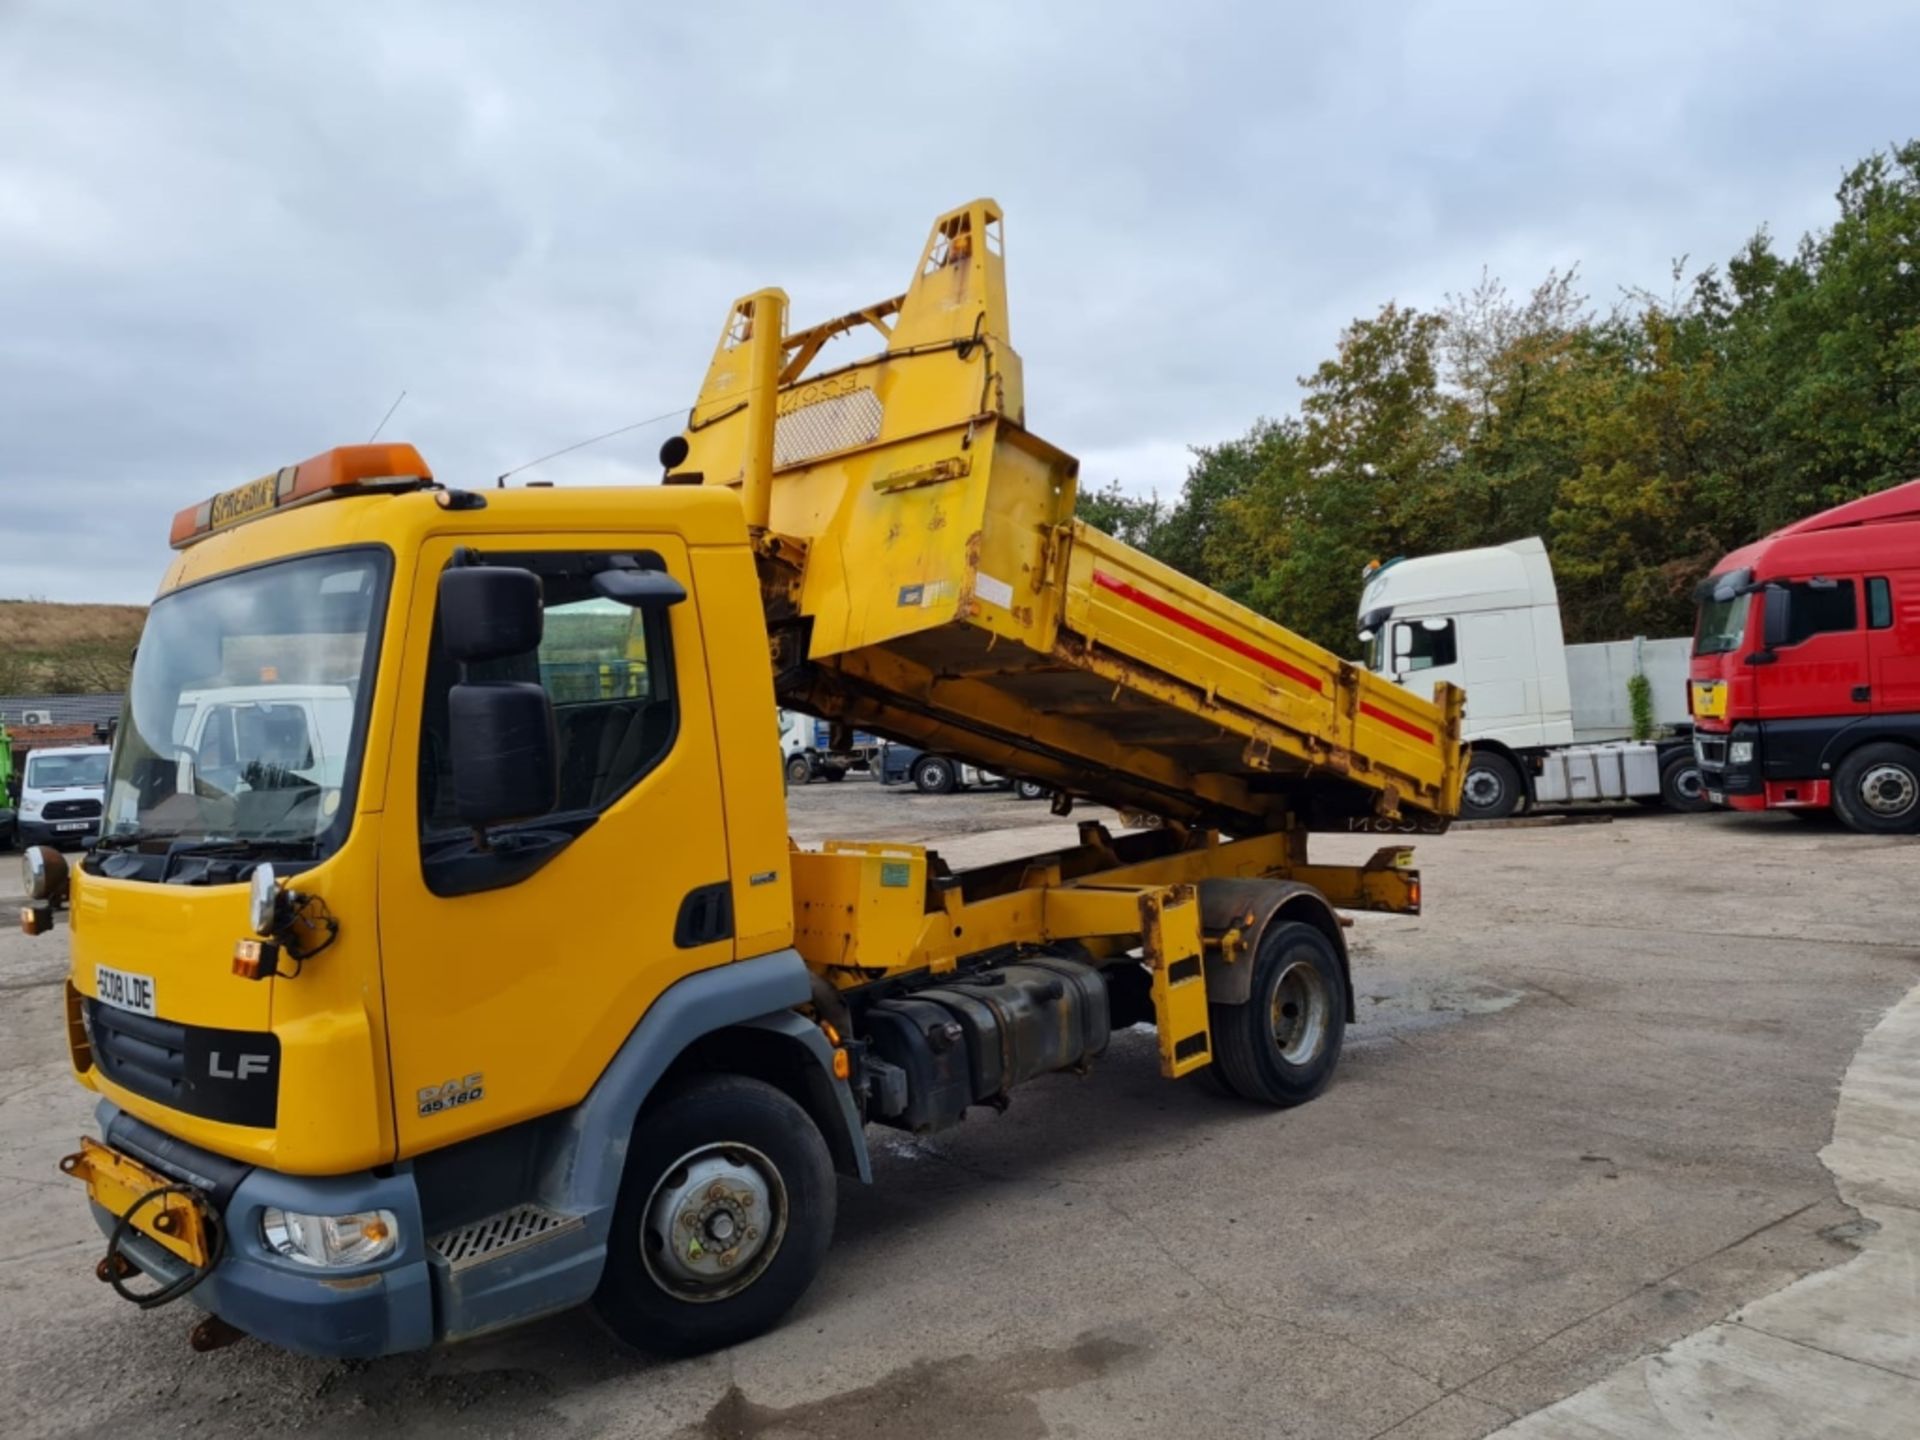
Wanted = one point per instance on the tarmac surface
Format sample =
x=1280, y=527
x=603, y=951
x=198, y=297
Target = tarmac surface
x=1580, y=1120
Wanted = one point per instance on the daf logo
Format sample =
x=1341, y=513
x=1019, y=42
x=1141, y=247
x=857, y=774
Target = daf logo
x=244, y=1067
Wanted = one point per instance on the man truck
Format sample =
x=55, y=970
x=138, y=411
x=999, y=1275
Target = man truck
x=531, y=1002
x=1806, y=668
x=1547, y=721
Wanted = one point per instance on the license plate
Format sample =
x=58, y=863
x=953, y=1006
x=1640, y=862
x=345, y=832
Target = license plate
x=1718, y=797
x=123, y=990
x=72, y=825
x=116, y=1182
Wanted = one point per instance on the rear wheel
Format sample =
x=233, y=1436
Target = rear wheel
x=1876, y=790
x=1493, y=789
x=1029, y=790
x=1682, y=786
x=799, y=770
x=834, y=772
x=1281, y=1047
x=934, y=775
x=723, y=1219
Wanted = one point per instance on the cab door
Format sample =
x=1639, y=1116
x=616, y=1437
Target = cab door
x=1819, y=666
x=509, y=987
x=1893, y=641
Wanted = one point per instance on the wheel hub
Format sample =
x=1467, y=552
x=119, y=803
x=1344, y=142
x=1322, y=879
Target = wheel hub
x=1483, y=789
x=1301, y=1012
x=714, y=1222
x=1889, y=790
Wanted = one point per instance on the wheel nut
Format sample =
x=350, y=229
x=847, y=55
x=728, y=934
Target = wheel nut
x=716, y=1191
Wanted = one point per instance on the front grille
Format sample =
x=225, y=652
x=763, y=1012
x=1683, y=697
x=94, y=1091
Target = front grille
x=71, y=810
x=146, y=1056
x=499, y=1234
x=228, y=1075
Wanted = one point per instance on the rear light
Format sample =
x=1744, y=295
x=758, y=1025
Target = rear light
x=342, y=470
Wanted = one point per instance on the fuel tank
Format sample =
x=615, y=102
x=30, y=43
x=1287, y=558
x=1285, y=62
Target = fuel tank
x=969, y=1042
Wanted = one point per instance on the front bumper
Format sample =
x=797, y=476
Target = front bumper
x=56, y=833
x=378, y=1309
x=1789, y=780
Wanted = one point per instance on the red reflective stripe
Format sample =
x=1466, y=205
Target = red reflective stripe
x=1202, y=628
x=1396, y=722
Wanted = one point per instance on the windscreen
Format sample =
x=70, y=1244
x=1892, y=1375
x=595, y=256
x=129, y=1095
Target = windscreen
x=67, y=772
x=245, y=714
x=1721, y=625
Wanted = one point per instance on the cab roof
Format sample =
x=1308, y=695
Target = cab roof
x=1880, y=531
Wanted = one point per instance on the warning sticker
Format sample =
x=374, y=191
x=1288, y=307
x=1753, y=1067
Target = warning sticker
x=994, y=592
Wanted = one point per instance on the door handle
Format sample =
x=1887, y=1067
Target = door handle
x=1863, y=693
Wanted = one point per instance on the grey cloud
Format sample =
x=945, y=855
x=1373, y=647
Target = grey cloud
x=229, y=235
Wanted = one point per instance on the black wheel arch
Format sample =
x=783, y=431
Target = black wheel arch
x=1865, y=730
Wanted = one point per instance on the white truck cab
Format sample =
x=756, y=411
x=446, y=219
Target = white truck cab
x=61, y=793
x=1547, y=721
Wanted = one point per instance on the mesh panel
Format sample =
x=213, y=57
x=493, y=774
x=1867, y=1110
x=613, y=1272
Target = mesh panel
x=836, y=423
x=509, y=1230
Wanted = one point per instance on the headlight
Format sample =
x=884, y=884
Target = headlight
x=330, y=1240
x=264, y=902
x=30, y=805
x=1740, y=752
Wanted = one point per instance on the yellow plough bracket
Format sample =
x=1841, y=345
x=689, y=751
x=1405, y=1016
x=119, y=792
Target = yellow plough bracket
x=171, y=1220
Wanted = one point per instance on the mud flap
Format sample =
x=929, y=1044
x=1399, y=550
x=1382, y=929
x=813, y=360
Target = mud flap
x=1170, y=930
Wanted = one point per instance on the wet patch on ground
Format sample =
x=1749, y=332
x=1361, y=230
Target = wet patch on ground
x=961, y=1396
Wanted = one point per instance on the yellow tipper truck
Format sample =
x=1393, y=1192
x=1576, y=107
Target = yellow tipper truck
x=444, y=961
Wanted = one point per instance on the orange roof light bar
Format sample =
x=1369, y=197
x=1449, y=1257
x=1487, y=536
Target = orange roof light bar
x=342, y=470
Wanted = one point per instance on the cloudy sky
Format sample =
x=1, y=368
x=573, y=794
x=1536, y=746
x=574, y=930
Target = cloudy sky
x=230, y=235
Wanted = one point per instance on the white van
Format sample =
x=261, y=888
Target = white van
x=61, y=793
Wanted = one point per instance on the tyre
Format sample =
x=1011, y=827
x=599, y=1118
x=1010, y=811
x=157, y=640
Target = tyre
x=1029, y=790
x=934, y=775
x=1493, y=789
x=723, y=1218
x=799, y=770
x=1683, y=787
x=834, y=772
x=1281, y=1047
x=1876, y=790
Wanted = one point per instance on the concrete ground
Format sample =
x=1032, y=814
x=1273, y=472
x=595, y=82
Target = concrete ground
x=1580, y=1119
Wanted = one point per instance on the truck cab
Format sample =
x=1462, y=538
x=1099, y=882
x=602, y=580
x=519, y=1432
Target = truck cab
x=61, y=792
x=1546, y=721
x=1805, y=676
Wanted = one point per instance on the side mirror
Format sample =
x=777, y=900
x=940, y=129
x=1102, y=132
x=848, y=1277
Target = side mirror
x=640, y=588
x=1775, y=628
x=503, y=754
x=488, y=612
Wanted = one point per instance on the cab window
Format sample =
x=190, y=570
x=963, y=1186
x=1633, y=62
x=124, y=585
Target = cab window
x=608, y=669
x=1879, y=604
x=1423, y=645
x=1819, y=607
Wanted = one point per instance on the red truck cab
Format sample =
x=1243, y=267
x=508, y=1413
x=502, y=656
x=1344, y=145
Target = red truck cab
x=1805, y=679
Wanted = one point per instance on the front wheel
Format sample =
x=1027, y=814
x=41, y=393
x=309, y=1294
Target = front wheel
x=1493, y=789
x=723, y=1219
x=934, y=775
x=799, y=770
x=1280, y=1048
x=1029, y=790
x=1876, y=790
x=1683, y=787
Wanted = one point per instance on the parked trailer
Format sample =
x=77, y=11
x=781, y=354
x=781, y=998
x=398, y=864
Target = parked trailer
x=1547, y=721
x=533, y=1004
